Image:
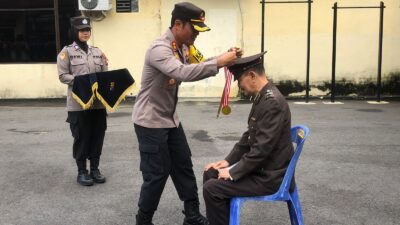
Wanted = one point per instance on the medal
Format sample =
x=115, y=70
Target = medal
x=226, y=110
x=224, y=104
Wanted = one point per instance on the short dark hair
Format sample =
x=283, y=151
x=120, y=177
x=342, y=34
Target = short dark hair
x=173, y=19
x=259, y=69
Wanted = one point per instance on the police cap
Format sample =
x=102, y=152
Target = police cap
x=80, y=22
x=186, y=11
x=241, y=65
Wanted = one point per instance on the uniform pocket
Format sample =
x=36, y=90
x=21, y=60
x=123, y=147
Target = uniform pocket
x=151, y=159
x=77, y=61
x=73, y=124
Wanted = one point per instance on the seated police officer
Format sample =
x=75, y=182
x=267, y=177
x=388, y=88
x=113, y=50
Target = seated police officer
x=257, y=163
x=87, y=126
x=163, y=147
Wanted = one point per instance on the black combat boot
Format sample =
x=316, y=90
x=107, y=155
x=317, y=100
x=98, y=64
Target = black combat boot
x=97, y=176
x=192, y=214
x=144, y=218
x=84, y=179
x=95, y=172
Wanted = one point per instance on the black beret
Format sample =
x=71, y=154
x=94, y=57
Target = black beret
x=243, y=64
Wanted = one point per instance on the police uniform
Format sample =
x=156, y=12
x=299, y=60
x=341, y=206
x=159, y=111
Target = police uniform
x=87, y=126
x=260, y=158
x=163, y=147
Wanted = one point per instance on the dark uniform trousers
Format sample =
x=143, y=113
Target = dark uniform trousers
x=88, y=129
x=164, y=152
x=218, y=193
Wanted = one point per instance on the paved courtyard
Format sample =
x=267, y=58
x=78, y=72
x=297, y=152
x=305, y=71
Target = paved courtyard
x=348, y=173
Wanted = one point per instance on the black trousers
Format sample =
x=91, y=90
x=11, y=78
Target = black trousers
x=217, y=194
x=88, y=129
x=164, y=152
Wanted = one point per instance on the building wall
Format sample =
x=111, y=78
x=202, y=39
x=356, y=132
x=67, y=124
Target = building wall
x=124, y=37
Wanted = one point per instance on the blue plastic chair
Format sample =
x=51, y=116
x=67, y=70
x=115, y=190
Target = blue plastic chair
x=299, y=134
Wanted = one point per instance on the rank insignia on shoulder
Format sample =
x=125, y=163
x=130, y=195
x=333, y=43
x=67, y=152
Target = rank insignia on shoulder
x=269, y=94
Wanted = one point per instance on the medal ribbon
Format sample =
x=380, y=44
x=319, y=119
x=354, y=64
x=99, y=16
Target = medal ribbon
x=224, y=103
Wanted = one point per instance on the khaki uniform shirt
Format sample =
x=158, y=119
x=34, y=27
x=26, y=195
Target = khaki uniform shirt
x=164, y=69
x=73, y=61
x=265, y=149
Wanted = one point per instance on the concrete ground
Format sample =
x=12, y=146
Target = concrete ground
x=348, y=173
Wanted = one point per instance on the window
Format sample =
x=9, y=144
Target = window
x=28, y=29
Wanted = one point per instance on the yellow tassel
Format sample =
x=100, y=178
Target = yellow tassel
x=83, y=105
x=122, y=97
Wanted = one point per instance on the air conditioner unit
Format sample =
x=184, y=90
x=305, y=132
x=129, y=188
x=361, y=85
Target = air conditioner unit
x=99, y=5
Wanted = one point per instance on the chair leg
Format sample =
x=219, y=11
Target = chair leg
x=234, y=217
x=296, y=216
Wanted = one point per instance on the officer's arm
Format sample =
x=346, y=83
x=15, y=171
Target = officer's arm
x=105, y=61
x=63, y=68
x=162, y=58
x=266, y=137
x=239, y=149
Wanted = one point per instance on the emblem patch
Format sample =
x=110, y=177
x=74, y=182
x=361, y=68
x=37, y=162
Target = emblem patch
x=112, y=86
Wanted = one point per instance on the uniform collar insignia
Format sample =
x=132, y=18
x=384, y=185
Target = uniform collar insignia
x=257, y=98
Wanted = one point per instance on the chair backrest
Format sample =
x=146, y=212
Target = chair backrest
x=299, y=134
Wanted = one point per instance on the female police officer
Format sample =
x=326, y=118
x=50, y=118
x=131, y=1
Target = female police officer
x=87, y=126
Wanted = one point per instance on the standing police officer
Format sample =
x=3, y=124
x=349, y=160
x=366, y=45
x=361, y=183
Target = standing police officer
x=87, y=126
x=163, y=147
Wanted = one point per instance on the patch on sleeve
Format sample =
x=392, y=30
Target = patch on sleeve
x=62, y=55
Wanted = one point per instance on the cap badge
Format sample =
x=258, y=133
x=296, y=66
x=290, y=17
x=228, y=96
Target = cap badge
x=84, y=21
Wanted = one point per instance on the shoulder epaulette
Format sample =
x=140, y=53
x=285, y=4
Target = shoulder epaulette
x=269, y=94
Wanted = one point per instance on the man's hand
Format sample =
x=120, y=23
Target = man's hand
x=239, y=51
x=223, y=174
x=217, y=165
x=226, y=59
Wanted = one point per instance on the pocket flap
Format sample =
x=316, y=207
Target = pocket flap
x=77, y=61
x=148, y=148
x=98, y=61
x=72, y=118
